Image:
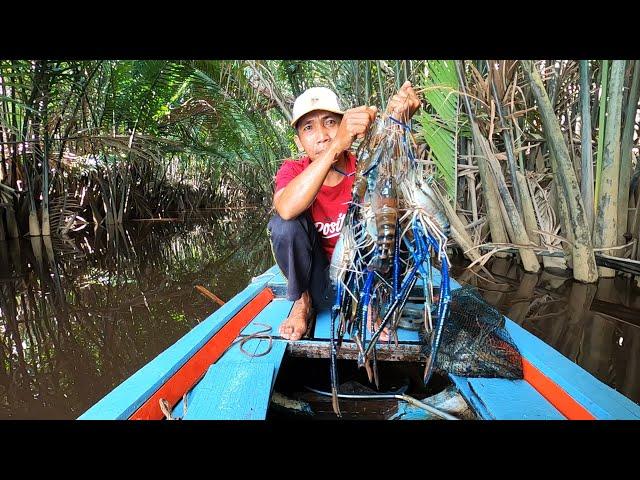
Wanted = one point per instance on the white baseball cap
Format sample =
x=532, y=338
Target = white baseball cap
x=315, y=98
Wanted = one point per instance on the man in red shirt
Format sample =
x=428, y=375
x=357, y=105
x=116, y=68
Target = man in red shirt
x=312, y=194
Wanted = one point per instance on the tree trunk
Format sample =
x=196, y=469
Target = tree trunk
x=508, y=142
x=520, y=237
x=458, y=230
x=606, y=227
x=565, y=223
x=626, y=153
x=529, y=260
x=529, y=214
x=584, y=263
x=46, y=226
x=12, y=225
x=586, y=185
x=491, y=202
x=602, y=127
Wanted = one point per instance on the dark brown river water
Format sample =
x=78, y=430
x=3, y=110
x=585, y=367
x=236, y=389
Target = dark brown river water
x=79, y=316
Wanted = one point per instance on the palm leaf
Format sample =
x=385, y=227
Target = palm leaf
x=439, y=123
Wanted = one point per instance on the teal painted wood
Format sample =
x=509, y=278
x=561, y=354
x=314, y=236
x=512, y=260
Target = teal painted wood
x=278, y=278
x=232, y=355
x=453, y=284
x=256, y=346
x=125, y=399
x=274, y=357
x=462, y=384
x=598, y=398
x=513, y=400
x=235, y=356
x=406, y=411
x=233, y=391
x=272, y=315
x=270, y=275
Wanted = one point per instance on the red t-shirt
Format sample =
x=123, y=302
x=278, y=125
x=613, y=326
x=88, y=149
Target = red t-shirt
x=330, y=205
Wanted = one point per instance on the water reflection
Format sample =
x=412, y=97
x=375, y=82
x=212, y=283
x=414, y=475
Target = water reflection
x=78, y=316
x=595, y=325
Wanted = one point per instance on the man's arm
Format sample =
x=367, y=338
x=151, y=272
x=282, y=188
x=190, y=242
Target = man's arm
x=300, y=192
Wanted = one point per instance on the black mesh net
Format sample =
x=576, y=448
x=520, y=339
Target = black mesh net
x=475, y=342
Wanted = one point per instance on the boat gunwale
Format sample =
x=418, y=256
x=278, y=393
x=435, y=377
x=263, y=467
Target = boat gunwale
x=546, y=370
x=125, y=399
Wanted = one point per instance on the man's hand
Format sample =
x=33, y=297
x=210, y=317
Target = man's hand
x=354, y=124
x=404, y=104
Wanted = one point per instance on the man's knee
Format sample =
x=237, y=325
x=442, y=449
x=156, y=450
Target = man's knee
x=287, y=229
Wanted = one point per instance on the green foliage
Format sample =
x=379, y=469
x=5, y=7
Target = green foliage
x=439, y=121
x=222, y=121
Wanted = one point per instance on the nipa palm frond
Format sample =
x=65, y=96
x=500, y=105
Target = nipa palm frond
x=439, y=123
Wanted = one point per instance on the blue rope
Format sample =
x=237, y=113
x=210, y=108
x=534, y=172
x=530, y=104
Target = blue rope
x=404, y=137
x=341, y=172
x=402, y=124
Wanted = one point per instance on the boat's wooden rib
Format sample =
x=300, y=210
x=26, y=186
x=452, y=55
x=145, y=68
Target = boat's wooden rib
x=348, y=350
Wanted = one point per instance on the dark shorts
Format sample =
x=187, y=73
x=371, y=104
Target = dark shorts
x=297, y=250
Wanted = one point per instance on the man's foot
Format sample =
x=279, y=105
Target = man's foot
x=294, y=327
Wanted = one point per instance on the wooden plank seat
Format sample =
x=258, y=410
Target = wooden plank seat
x=271, y=315
x=233, y=391
x=502, y=399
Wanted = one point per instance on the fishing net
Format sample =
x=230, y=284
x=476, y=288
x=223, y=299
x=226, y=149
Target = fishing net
x=475, y=342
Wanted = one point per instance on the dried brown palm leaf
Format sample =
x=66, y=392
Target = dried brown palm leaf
x=64, y=214
x=545, y=214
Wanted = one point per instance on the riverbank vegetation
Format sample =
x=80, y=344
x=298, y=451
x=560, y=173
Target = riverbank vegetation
x=533, y=157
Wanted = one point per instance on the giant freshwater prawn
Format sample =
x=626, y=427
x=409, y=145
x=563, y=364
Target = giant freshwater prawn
x=393, y=229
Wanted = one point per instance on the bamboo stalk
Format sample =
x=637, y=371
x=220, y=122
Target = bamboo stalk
x=458, y=228
x=44, y=99
x=507, y=222
x=381, y=94
x=512, y=219
x=626, y=153
x=604, y=82
x=606, y=226
x=565, y=217
x=508, y=141
x=529, y=214
x=586, y=184
x=471, y=185
x=635, y=224
x=490, y=195
x=584, y=264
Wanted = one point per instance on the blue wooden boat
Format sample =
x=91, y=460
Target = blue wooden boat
x=212, y=372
